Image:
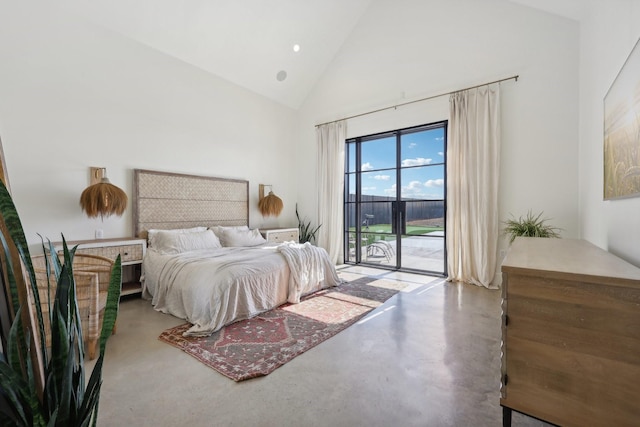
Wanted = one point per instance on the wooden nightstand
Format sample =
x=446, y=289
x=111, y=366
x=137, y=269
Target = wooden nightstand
x=279, y=235
x=131, y=250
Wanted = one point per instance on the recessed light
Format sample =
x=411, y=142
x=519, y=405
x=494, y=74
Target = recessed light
x=296, y=48
x=281, y=76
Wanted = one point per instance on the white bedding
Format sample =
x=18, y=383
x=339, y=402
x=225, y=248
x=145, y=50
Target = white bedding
x=214, y=287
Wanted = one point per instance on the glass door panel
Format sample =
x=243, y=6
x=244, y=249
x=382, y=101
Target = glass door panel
x=376, y=232
x=423, y=183
x=425, y=147
x=379, y=153
x=422, y=244
x=378, y=185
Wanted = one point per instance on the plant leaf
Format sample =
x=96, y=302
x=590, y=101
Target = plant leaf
x=92, y=393
x=113, y=302
x=13, y=387
x=12, y=381
x=9, y=216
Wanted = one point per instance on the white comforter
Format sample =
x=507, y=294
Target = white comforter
x=214, y=287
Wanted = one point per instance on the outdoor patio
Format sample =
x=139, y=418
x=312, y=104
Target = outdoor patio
x=425, y=252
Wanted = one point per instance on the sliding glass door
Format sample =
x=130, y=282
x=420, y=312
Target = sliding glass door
x=395, y=199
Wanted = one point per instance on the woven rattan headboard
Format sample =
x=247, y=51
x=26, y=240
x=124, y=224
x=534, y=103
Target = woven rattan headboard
x=165, y=200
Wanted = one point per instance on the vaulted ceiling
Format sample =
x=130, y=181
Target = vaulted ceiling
x=250, y=42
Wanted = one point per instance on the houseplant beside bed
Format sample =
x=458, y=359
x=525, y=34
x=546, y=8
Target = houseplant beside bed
x=49, y=390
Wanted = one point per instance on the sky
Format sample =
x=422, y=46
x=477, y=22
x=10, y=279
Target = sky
x=422, y=156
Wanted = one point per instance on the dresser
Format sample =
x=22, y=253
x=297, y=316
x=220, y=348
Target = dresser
x=131, y=251
x=570, y=334
x=279, y=235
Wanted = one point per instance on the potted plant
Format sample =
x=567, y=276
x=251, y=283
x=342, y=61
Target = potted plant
x=530, y=225
x=307, y=233
x=51, y=390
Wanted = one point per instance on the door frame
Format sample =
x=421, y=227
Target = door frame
x=354, y=255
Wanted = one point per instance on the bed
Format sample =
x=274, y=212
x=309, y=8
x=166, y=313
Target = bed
x=204, y=264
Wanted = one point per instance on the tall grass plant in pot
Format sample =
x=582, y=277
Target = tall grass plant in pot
x=307, y=233
x=531, y=225
x=50, y=390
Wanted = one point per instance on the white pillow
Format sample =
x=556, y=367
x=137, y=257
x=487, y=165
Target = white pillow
x=167, y=242
x=151, y=234
x=240, y=237
x=220, y=229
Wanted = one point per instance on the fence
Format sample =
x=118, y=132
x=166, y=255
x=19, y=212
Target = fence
x=378, y=210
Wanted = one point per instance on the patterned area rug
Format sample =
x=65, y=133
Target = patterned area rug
x=256, y=347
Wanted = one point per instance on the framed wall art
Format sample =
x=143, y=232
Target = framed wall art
x=622, y=131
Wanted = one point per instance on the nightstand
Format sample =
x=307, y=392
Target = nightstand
x=131, y=250
x=279, y=235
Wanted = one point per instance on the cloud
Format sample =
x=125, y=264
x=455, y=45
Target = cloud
x=366, y=167
x=418, y=161
x=382, y=177
x=440, y=153
x=368, y=189
x=413, y=144
x=418, y=190
x=441, y=138
x=438, y=183
x=415, y=189
x=414, y=185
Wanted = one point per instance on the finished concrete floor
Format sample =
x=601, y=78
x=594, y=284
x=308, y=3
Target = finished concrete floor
x=430, y=356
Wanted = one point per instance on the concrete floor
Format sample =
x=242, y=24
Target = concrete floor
x=428, y=357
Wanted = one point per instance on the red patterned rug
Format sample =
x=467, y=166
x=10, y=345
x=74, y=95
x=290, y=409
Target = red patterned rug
x=256, y=347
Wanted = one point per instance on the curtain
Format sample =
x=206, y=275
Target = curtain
x=331, y=146
x=473, y=163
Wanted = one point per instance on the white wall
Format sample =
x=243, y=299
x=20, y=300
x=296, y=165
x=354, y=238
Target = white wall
x=409, y=49
x=608, y=33
x=74, y=95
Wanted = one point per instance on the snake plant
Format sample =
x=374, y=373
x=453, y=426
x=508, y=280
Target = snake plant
x=65, y=398
x=306, y=232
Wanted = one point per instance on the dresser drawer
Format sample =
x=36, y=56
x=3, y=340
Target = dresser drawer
x=128, y=253
x=131, y=251
x=281, y=235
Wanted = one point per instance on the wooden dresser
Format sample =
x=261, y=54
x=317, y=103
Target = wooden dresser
x=570, y=334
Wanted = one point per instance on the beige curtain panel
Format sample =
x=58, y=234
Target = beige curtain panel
x=473, y=163
x=331, y=137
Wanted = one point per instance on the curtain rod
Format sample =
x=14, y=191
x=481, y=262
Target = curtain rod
x=420, y=100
